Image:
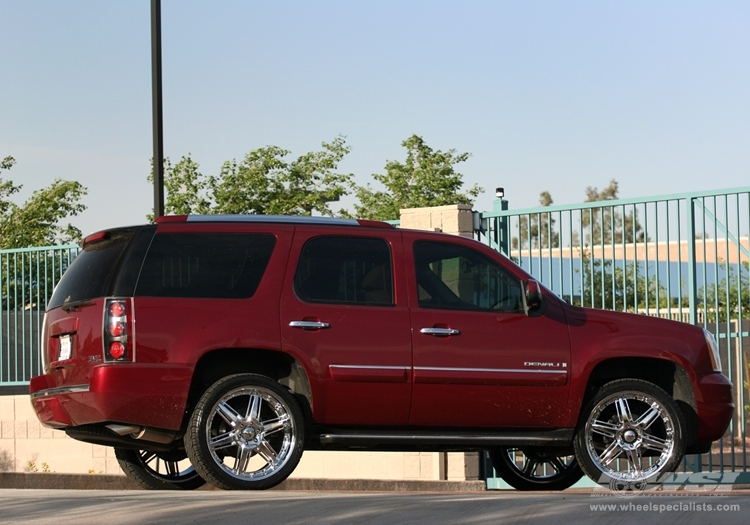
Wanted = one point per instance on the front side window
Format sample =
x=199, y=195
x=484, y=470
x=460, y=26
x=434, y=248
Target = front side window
x=455, y=277
x=350, y=270
x=200, y=265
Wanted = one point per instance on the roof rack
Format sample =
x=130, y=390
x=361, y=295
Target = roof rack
x=284, y=219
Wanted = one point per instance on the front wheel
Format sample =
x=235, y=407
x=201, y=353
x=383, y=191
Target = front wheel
x=246, y=432
x=159, y=470
x=631, y=431
x=536, y=468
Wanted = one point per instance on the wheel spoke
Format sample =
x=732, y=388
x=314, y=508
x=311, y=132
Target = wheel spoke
x=557, y=464
x=530, y=466
x=649, y=416
x=634, y=458
x=229, y=414
x=147, y=456
x=654, y=443
x=610, y=453
x=172, y=468
x=604, y=428
x=266, y=451
x=253, y=408
x=623, y=409
x=240, y=462
x=222, y=441
x=274, y=425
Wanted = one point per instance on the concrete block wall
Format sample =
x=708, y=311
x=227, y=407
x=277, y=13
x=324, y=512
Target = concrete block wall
x=26, y=445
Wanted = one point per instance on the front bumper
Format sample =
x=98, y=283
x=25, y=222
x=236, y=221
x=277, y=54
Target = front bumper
x=146, y=395
x=715, y=406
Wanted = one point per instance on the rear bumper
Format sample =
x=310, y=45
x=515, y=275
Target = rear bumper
x=147, y=395
x=715, y=407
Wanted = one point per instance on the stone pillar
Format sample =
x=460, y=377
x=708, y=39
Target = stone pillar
x=454, y=218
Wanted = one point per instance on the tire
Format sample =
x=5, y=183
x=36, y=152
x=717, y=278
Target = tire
x=246, y=432
x=159, y=470
x=535, y=468
x=631, y=432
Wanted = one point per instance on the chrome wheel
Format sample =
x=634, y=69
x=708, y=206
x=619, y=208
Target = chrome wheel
x=633, y=432
x=536, y=468
x=159, y=470
x=246, y=433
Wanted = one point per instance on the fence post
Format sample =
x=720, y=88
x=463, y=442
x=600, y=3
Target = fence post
x=502, y=235
x=692, y=265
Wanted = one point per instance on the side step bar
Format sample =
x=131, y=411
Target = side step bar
x=436, y=440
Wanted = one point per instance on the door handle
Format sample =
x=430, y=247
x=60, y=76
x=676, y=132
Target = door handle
x=309, y=325
x=439, y=331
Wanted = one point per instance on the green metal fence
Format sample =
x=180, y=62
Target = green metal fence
x=27, y=278
x=683, y=257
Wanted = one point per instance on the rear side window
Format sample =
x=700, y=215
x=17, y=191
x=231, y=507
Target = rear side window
x=89, y=274
x=350, y=270
x=217, y=265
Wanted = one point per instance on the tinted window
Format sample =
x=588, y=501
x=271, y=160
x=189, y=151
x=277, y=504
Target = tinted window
x=217, y=265
x=89, y=274
x=354, y=270
x=456, y=277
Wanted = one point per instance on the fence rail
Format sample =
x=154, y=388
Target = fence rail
x=27, y=278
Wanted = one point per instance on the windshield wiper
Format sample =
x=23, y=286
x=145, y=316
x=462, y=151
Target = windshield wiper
x=75, y=305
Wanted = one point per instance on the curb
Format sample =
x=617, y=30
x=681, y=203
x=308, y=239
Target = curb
x=37, y=480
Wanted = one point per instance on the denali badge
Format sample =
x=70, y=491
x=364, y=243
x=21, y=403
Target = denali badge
x=550, y=365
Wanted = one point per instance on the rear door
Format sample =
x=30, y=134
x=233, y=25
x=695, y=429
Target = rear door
x=344, y=314
x=479, y=359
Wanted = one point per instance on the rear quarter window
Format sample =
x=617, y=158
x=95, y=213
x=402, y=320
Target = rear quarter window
x=89, y=275
x=217, y=265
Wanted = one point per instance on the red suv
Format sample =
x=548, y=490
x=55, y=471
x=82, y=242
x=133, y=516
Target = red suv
x=218, y=348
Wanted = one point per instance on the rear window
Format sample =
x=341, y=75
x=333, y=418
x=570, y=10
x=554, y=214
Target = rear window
x=222, y=266
x=89, y=274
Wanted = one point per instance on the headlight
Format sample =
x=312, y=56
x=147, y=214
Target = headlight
x=714, y=346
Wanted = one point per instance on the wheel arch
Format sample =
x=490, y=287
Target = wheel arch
x=279, y=366
x=668, y=375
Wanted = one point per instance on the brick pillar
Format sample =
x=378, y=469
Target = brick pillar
x=455, y=219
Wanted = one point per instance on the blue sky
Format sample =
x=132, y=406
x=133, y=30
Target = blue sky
x=550, y=96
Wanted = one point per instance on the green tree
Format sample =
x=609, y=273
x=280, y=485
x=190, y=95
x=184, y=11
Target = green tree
x=608, y=223
x=537, y=229
x=730, y=298
x=264, y=182
x=37, y=221
x=426, y=178
x=613, y=287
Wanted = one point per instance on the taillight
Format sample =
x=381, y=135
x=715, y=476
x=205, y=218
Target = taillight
x=118, y=329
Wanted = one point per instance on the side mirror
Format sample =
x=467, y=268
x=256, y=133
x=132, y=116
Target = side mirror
x=533, y=295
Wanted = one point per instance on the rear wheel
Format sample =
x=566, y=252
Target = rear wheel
x=631, y=432
x=159, y=470
x=246, y=432
x=535, y=468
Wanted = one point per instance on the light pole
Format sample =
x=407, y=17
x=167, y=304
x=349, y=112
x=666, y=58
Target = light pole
x=156, y=105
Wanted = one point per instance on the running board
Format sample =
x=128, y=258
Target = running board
x=441, y=440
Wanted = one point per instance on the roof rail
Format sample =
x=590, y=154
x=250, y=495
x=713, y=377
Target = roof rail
x=284, y=219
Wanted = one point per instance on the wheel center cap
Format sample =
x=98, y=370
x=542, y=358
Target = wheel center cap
x=629, y=436
x=248, y=433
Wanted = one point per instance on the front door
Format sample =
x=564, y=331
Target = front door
x=479, y=359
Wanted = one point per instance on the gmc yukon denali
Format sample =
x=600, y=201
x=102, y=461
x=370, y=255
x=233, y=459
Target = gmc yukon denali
x=218, y=348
